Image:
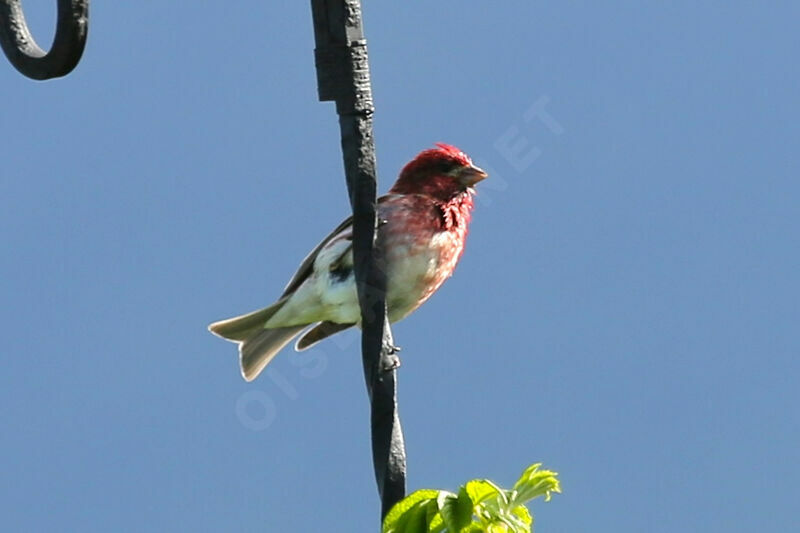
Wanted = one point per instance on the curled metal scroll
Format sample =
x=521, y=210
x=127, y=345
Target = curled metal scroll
x=68, y=44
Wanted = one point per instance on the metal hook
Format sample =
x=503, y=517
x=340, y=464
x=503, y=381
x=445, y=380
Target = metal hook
x=27, y=57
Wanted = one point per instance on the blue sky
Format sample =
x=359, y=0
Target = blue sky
x=626, y=311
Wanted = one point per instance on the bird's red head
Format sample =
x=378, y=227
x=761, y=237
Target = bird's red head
x=442, y=172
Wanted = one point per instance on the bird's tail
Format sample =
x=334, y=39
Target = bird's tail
x=321, y=331
x=257, y=344
x=257, y=351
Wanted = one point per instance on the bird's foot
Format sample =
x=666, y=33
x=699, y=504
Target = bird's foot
x=390, y=361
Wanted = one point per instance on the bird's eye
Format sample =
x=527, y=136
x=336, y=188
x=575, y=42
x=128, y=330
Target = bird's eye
x=448, y=167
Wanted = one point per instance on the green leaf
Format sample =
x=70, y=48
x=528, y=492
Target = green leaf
x=522, y=513
x=391, y=522
x=443, y=502
x=479, y=507
x=526, y=475
x=456, y=512
x=497, y=527
x=534, y=483
x=414, y=520
x=464, y=508
x=480, y=490
x=436, y=522
x=502, y=495
x=519, y=519
x=512, y=522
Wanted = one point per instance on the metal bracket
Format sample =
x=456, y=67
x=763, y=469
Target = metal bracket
x=27, y=57
x=343, y=76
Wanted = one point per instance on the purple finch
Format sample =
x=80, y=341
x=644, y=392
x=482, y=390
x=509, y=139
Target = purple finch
x=424, y=222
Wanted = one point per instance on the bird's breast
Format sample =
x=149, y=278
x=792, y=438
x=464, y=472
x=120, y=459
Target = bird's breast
x=418, y=262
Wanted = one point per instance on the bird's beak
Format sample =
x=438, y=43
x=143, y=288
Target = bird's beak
x=471, y=175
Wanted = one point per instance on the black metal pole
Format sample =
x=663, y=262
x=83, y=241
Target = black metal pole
x=343, y=77
x=22, y=51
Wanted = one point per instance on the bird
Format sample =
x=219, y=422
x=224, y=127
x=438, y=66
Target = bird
x=423, y=224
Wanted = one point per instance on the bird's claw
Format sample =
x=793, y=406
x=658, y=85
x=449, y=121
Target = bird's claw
x=390, y=361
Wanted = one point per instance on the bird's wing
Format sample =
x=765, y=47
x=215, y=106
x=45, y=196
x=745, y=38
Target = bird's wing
x=307, y=266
